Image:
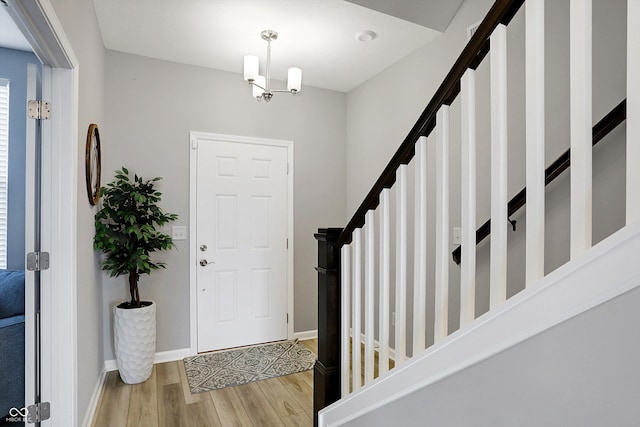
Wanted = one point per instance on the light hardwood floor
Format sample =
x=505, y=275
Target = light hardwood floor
x=165, y=400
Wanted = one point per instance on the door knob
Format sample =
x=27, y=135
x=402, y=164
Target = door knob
x=204, y=262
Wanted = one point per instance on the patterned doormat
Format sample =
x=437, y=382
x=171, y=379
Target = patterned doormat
x=242, y=365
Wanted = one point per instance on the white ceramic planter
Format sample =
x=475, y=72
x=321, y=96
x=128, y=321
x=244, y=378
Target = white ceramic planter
x=134, y=333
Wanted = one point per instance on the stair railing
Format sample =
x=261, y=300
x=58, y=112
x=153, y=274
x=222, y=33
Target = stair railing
x=354, y=263
x=608, y=123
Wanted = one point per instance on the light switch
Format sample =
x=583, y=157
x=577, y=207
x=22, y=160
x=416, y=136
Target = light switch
x=179, y=232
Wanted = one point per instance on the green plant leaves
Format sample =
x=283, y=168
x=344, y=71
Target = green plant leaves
x=127, y=226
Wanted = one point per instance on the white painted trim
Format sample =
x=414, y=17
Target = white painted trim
x=468, y=198
x=420, y=245
x=369, y=295
x=30, y=295
x=39, y=24
x=441, y=297
x=95, y=399
x=633, y=112
x=61, y=239
x=499, y=168
x=193, y=256
x=581, y=122
x=607, y=270
x=384, y=282
x=38, y=21
x=160, y=357
x=401, y=261
x=306, y=335
x=535, y=140
x=356, y=311
x=345, y=316
x=172, y=355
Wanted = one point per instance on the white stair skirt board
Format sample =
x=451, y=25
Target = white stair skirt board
x=606, y=271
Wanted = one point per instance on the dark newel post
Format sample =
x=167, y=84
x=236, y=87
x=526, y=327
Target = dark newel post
x=326, y=373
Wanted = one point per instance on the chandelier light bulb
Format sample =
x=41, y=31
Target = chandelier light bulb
x=294, y=79
x=250, y=67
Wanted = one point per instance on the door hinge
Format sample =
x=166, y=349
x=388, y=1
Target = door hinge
x=39, y=110
x=37, y=261
x=287, y=318
x=38, y=412
x=287, y=243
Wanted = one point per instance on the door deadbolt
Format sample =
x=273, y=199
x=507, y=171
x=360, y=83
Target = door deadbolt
x=203, y=248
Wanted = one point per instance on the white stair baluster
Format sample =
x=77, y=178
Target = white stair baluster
x=633, y=111
x=441, y=328
x=499, y=218
x=369, y=292
x=581, y=125
x=534, y=57
x=401, y=265
x=468, y=200
x=345, y=287
x=420, y=254
x=383, y=311
x=356, y=365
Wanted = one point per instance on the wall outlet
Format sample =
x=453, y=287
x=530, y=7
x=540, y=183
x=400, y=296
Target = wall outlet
x=456, y=237
x=179, y=232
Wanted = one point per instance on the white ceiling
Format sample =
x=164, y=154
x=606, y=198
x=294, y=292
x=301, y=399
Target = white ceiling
x=10, y=35
x=315, y=35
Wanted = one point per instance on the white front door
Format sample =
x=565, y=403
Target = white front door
x=241, y=230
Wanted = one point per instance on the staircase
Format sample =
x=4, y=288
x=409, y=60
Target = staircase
x=384, y=280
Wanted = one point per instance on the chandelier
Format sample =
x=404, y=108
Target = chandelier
x=261, y=85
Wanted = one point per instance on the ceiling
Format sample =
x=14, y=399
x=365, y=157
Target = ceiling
x=315, y=35
x=10, y=35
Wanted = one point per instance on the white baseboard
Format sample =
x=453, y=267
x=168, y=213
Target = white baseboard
x=171, y=355
x=95, y=399
x=376, y=346
x=305, y=335
x=161, y=357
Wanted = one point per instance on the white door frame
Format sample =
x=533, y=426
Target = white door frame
x=38, y=21
x=193, y=255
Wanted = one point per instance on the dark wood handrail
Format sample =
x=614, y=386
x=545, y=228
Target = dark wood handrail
x=501, y=12
x=562, y=163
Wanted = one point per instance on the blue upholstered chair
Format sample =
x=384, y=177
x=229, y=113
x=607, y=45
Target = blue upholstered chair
x=11, y=340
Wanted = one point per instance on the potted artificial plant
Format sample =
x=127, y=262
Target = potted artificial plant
x=127, y=233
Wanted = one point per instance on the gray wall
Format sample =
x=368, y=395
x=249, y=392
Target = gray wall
x=579, y=373
x=151, y=106
x=13, y=66
x=81, y=27
x=377, y=124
